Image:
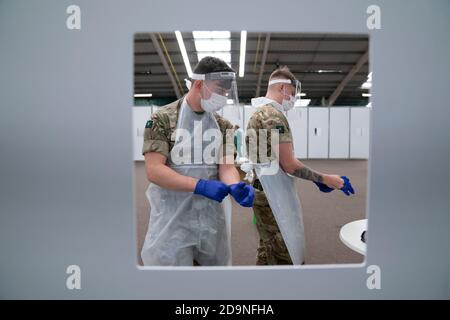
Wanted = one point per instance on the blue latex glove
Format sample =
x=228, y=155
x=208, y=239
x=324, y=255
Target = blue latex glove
x=243, y=194
x=323, y=187
x=347, y=188
x=212, y=189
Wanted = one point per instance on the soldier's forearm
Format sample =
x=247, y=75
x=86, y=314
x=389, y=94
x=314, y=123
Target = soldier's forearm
x=228, y=174
x=308, y=174
x=165, y=177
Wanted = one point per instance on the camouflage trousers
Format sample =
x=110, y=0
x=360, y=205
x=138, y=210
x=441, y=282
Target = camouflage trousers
x=272, y=250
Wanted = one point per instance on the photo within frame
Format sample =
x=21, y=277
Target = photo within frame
x=250, y=149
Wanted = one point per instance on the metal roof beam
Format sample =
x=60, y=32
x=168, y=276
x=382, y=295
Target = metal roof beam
x=263, y=62
x=165, y=64
x=361, y=61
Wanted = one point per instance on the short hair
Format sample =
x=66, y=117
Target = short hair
x=282, y=73
x=212, y=64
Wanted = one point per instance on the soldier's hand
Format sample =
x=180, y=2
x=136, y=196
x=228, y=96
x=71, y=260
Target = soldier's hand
x=339, y=182
x=243, y=194
x=212, y=189
x=333, y=181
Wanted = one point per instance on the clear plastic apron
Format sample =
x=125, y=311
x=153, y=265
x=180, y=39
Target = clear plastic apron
x=281, y=194
x=184, y=226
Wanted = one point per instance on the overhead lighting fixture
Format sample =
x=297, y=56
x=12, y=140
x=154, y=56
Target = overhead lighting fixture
x=368, y=83
x=329, y=71
x=183, y=53
x=305, y=102
x=143, y=95
x=302, y=103
x=366, y=95
x=211, y=34
x=301, y=94
x=213, y=43
x=242, y=53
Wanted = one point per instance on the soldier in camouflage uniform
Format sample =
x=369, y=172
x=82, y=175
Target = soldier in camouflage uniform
x=187, y=223
x=272, y=249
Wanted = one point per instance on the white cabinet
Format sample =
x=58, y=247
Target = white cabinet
x=359, y=132
x=318, y=133
x=140, y=117
x=298, y=121
x=339, y=133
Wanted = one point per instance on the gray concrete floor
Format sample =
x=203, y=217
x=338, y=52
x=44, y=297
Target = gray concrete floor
x=323, y=215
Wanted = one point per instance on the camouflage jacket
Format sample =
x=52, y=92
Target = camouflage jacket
x=269, y=118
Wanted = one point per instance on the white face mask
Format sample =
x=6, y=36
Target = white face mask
x=214, y=103
x=288, y=104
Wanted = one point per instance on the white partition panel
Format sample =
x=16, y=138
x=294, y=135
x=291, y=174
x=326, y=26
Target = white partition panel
x=318, y=133
x=140, y=117
x=359, y=132
x=339, y=132
x=298, y=121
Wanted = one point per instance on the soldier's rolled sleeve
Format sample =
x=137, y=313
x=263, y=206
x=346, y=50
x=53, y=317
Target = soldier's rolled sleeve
x=155, y=137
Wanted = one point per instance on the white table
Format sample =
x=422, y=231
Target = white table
x=350, y=235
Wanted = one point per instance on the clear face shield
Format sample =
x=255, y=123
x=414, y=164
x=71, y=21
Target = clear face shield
x=291, y=92
x=219, y=93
